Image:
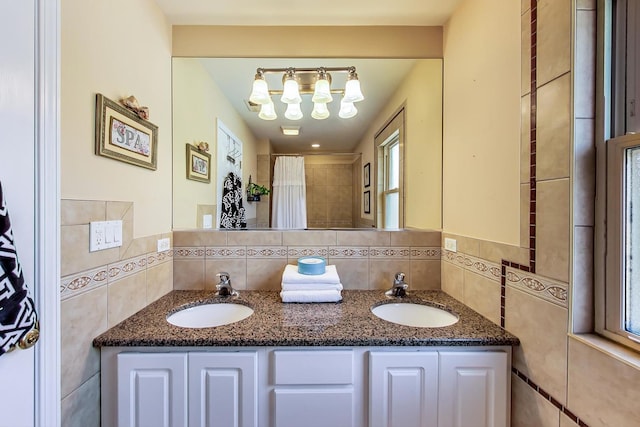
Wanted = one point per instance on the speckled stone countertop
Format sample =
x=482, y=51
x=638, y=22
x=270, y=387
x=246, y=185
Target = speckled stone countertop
x=348, y=323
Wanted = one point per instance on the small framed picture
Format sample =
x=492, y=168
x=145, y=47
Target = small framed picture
x=367, y=202
x=123, y=136
x=367, y=175
x=198, y=164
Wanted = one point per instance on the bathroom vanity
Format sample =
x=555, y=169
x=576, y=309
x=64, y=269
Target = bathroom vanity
x=305, y=365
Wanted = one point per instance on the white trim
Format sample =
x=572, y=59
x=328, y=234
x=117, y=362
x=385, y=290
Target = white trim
x=47, y=150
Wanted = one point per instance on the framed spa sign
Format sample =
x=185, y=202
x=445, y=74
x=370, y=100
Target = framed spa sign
x=122, y=135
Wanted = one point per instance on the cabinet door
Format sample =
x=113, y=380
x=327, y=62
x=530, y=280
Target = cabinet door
x=403, y=389
x=314, y=407
x=152, y=389
x=223, y=389
x=474, y=389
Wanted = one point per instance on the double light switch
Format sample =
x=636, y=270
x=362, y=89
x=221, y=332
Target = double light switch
x=105, y=235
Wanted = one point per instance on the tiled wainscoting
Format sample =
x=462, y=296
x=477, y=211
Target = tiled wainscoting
x=256, y=259
x=98, y=290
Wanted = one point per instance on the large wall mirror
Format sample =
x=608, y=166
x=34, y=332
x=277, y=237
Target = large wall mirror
x=211, y=106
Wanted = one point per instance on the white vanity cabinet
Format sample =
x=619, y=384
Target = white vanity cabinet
x=306, y=386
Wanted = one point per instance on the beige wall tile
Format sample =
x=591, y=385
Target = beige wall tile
x=120, y=210
x=554, y=39
x=466, y=245
x=188, y=274
x=582, y=295
x=139, y=246
x=382, y=272
x=529, y=408
x=265, y=274
x=482, y=295
x=159, y=281
x=81, y=408
x=525, y=53
x=74, y=251
x=237, y=269
x=254, y=238
x=585, y=64
x=82, y=318
x=553, y=146
x=364, y=238
x=566, y=421
x=584, y=170
x=525, y=5
x=77, y=212
x=416, y=238
x=126, y=296
x=354, y=273
x=453, y=280
x=309, y=238
x=425, y=274
x=542, y=330
x=200, y=238
x=525, y=139
x=552, y=229
x=602, y=390
x=496, y=252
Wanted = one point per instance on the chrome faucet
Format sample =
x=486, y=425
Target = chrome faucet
x=224, y=288
x=399, y=288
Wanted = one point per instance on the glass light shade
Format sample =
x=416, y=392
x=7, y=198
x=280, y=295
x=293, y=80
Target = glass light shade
x=322, y=92
x=291, y=92
x=347, y=110
x=293, y=112
x=320, y=111
x=352, y=92
x=260, y=93
x=268, y=112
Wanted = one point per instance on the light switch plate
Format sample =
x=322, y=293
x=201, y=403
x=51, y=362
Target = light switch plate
x=450, y=244
x=164, y=244
x=207, y=221
x=105, y=235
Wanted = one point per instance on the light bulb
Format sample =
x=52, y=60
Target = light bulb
x=347, y=110
x=260, y=92
x=322, y=92
x=293, y=112
x=268, y=112
x=352, y=92
x=291, y=92
x=320, y=111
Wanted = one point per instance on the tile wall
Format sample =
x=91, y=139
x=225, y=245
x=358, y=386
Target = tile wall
x=329, y=195
x=256, y=259
x=97, y=291
x=560, y=378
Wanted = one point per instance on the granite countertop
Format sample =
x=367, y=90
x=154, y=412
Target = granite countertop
x=348, y=323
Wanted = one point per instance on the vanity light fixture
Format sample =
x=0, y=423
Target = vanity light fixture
x=306, y=81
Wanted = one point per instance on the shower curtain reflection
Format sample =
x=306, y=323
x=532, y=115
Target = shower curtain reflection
x=289, y=204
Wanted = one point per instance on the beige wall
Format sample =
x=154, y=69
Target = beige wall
x=421, y=95
x=198, y=104
x=117, y=48
x=482, y=121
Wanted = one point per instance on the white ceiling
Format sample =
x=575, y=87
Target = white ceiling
x=379, y=78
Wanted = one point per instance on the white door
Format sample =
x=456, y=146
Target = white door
x=403, y=389
x=27, y=375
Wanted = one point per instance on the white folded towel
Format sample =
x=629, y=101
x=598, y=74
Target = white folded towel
x=311, y=296
x=291, y=275
x=311, y=286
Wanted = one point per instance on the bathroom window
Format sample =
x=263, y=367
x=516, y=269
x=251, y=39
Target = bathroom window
x=391, y=191
x=618, y=176
x=389, y=166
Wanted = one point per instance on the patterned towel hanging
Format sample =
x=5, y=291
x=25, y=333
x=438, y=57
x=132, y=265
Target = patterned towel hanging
x=18, y=317
x=233, y=215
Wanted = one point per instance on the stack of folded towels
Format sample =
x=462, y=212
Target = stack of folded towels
x=298, y=287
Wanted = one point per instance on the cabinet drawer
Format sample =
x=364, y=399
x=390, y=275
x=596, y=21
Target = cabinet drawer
x=312, y=367
x=311, y=407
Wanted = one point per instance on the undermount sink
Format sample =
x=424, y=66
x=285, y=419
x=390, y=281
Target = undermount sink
x=210, y=315
x=410, y=314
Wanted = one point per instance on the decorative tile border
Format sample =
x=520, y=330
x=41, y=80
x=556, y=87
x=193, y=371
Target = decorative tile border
x=300, y=251
x=485, y=268
x=544, y=288
x=425, y=253
x=84, y=281
x=395, y=252
x=228, y=252
x=188, y=252
x=349, y=252
x=267, y=252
